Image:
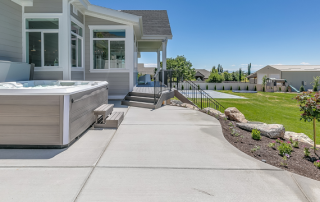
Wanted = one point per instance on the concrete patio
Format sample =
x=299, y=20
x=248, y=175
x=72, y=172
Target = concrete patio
x=168, y=154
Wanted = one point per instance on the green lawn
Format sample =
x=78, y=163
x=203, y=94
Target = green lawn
x=271, y=108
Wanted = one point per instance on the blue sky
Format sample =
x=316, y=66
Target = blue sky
x=237, y=32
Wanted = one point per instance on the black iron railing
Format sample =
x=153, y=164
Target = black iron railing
x=195, y=94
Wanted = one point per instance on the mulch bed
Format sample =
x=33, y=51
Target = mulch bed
x=296, y=163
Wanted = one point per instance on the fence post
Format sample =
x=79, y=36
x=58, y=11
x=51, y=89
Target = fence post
x=201, y=100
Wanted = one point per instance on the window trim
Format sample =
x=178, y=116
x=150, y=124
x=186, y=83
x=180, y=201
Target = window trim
x=126, y=41
x=75, y=21
x=24, y=42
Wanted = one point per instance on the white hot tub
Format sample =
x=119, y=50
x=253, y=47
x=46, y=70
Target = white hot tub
x=47, y=113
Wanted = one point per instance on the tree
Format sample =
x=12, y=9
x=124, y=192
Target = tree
x=213, y=68
x=249, y=69
x=181, y=65
x=310, y=107
x=240, y=72
x=315, y=83
x=215, y=77
x=264, y=80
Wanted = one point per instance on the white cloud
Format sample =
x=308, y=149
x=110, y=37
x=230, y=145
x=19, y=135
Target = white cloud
x=232, y=65
x=304, y=63
x=150, y=65
x=278, y=64
x=253, y=65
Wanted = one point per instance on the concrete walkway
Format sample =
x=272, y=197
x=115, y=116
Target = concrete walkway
x=168, y=154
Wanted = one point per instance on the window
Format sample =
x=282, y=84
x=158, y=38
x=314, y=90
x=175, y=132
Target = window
x=108, y=49
x=42, y=42
x=75, y=10
x=76, y=45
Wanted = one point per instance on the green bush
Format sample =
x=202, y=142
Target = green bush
x=317, y=163
x=287, y=90
x=174, y=86
x=207, y=87
x=198, y=87
x=280, y=89
x=315, y=88
x=190, y=88
x=295, y=144
x=230, y=87
x=215, y=87
x=302, y=89
x=255, y=134
x=247, y=87
x=239, y=88
x=255, y=88
x=222, y=87
x=182, y=87
x=285, y=148
x=263, y=89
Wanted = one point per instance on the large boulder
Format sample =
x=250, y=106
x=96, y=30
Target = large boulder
x=269, y=130
x=234, y=114
x=212, y=112
x=298, y=136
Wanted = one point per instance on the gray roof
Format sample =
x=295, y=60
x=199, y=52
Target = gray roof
x=296, y=68
x=254, y=75
x=155, y=22
x=204, y=72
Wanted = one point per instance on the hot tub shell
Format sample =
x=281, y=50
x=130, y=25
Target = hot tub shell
x=48, y=118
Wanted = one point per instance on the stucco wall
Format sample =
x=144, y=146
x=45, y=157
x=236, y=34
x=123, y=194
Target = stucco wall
x=10, y=31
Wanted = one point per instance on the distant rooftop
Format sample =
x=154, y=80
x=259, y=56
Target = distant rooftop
x=293, y=68
x=155, y=22
x=204, y=72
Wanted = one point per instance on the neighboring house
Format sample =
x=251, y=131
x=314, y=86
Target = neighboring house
x=294, y=74
x=145, y=70
x=75, y=40
x=202, y=74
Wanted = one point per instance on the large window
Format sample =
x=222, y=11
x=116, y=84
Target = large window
x=108, y=49
x=76, y=45
x=42, y=42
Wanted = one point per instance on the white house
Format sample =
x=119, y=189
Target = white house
x=75, y=40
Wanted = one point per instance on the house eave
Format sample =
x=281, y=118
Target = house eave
x=24, y=2
x=156, y=37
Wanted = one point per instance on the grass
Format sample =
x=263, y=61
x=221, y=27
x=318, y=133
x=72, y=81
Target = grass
x=272, y=108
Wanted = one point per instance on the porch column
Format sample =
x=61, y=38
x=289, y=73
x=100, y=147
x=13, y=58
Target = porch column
x=164, y=57
x=158, y=61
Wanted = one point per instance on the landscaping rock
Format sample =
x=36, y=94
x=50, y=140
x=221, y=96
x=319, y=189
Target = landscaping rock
x=269, y=130
x=176, y=102
x=235, y=115
x=212, y=112
x=301, y=137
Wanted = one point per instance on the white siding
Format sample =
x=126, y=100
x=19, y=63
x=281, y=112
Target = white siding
x=10, y=31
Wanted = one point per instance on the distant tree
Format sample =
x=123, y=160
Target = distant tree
x=249, y=69
x=264, y=80
x=207, y=87
x=230, y=87
x=215, y=77
x=222, y=87
x=315, y=83
x=213, y=69
x=240, y=72
x=181, y=64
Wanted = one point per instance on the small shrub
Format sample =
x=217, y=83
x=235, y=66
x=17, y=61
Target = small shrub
x=239, y=88
x=207, y=87
x=222, y=87
x=272, y=144
x=263, y=89
x=215, y=87
x=230, y=87
x=280, y=89
x=302, y=89
x=287, y=90
x=315, y=89
x=182, y=87
x=190, y=88
x=317, y=164
x=290, y=139
x=278, y=140
x=230, y=124
x=295, y=144
x=198, y=87
x=255, y=134
x=306, y=152
x=255, y=88
x=255, y=148
x=285, y=148
x=247, y=87
x=284, y=161
x=174, y=86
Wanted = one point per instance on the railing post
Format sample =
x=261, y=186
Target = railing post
x=201, y=100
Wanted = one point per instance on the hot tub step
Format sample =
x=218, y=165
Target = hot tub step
x=112, y=121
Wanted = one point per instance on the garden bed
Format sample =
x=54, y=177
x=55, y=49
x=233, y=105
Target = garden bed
x=296, y=163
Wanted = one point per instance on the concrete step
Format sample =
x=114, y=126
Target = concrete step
x=140, y=99
x=142, y=94
x=138, y=104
